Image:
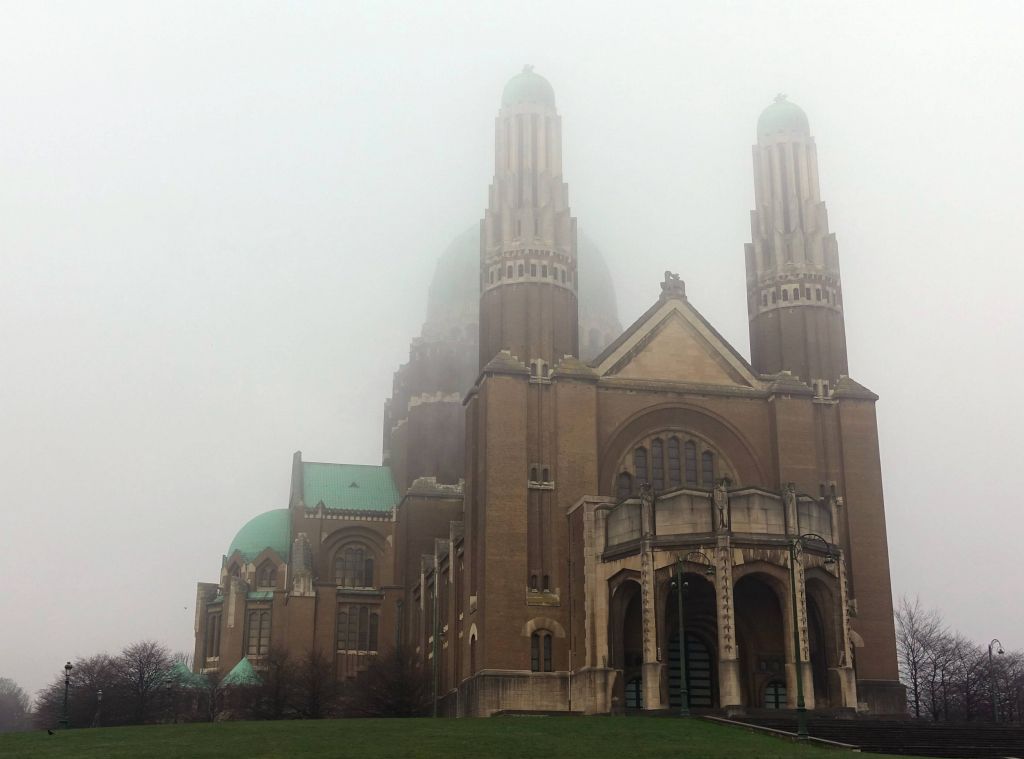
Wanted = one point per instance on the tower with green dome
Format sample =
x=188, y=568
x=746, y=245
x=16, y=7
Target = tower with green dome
x=794, y=292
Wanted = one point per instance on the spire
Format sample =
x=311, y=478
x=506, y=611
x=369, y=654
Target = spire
x=794, y=291
x=528, y=273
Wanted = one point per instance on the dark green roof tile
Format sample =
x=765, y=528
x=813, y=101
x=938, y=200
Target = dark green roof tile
x=352, y=487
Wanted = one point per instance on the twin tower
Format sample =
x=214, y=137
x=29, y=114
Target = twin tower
x=529, y=278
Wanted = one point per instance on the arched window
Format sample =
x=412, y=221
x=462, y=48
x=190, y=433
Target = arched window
x=546, y=475
x=533, y=270
x=796, y=293
x=540, y=652
x=508, y=271
x=520, y=270
x=266, y=575
x=547, y=584
x=213, y=635
x=775, y=695
x=259, y=633
x=533, y=583
x=764, y=299
x=775, y=297
x=533, y=474
x=543, y=370
x=472, y=654
x=817, y=293
x=707, y=469
x=624, y=486
x=657, y=464
x=353, y=567
x=640, y=464
x=674, y=468
x=236, y=572
x=690, y=451
x=807, y=293
x=785, y=295
x=544, y=271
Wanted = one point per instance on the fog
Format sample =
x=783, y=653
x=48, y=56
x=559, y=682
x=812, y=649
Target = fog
x=218, y=223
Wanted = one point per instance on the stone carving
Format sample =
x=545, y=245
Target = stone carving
x=720, y=497
x=725, y=613
x=673, y=287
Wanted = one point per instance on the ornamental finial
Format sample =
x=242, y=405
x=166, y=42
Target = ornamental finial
x=780, y=98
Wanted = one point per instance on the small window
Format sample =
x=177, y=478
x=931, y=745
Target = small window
x=543, y=370
x=707, y=469
x=624, y=486
x=775, y=297
x=533, y=270
x=764, y=299
x=657, y=465
x=817, y=293
x=533, y=368
x=508, y=271
x=640, y=464
x=540, y=652
x=533, y=583
x=547, y=584
x=796, y=294
x=547, y=475
x=492, y=277
x=775, y=695
x=258, y=633
x=785, y=295
x=807, y=293
x=520, y=270
x=472, y=654
x=533, y=474
x=674, y=469
x=544, y=271
x=690, y=450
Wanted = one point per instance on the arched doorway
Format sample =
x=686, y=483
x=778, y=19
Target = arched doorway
x=627, y=643
x=701, y=633
x=761, y=639
x=823, y=621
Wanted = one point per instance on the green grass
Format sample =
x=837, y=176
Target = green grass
x=621, y=737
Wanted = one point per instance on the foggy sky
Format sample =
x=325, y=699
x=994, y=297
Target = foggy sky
x=218, y=223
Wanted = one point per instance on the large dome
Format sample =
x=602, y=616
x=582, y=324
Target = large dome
x=453, y=302
x=271, y=529
x=782, y=116
x=528, y=87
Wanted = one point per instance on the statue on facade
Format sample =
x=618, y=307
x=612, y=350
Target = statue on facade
x=720, y=497
x=673, y=286
x=789, y=498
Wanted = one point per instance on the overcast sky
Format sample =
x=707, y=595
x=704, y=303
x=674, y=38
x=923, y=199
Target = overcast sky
x=218, y=222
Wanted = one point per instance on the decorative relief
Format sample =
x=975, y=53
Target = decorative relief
x=726, y=613
x=801, y=603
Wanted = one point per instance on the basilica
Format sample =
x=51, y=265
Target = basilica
x=573, y=517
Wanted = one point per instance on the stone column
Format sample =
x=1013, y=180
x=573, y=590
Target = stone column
x=847, y=678
x=804, y=648
x=648, y=597
x=728, y=654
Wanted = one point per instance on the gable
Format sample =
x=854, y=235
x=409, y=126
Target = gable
x=675, y=344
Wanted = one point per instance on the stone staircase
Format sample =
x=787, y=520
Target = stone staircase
x=967, y=740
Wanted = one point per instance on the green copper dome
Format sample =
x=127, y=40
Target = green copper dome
x=782, y=116
x=242, y=675
x=271, y=529
x=528, y=87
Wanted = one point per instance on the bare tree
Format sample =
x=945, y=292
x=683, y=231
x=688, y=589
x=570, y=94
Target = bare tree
x=392, y=686
x=918, y=631
x=316, y=688
x=14, y=707
x=89, y=677
x=141, y=672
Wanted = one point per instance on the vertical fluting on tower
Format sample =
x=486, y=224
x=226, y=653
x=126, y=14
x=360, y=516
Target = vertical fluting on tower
x=794, y=292
x=528, y=274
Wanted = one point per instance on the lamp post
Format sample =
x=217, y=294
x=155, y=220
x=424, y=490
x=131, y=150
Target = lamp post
x=99, y=707
x=680, y=586
x=64, y=721
x=995, y=642
x=794, y=547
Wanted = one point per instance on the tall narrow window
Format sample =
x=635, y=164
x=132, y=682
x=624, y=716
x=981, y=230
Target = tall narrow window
x=533, y=273
x=533, y=474
x=353, y=567
x=674, y=469
x=213, y=635
x=472, y=654
x=657, y=465
x=540, y=652
x=707, y=469
x=546, y=475
x=785, y=295
x=520, y=270
x=547, y=584
x=259, y=633
x=690, y=453
x=266, y=577
x=624, y=486
x=640, y=465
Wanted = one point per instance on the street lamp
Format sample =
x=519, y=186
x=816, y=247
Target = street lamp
x=992, y=676
x=64, y=722
x=680, y=585
x=801, y=708
x=99, y=707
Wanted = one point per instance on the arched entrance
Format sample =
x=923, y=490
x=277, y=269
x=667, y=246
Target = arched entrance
x=701, y=633
x=761, y=639
x=823, y=622
x=627, y=652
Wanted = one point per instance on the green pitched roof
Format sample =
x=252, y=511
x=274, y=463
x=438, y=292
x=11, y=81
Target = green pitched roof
x=242, y=675
x=354, y=487
x=271, y=529
x=182, y=677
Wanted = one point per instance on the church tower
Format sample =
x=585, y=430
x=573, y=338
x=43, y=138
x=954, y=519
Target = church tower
x=794, y=293
x=528, y=282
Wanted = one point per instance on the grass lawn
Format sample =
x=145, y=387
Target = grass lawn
x=623, y=737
